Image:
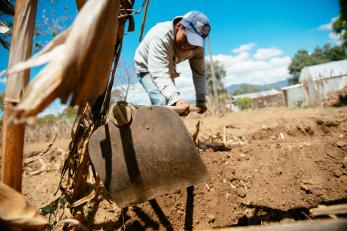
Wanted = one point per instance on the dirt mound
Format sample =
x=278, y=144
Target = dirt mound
x=280, y=163
x=336, y=99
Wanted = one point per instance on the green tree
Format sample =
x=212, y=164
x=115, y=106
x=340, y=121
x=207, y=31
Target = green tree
x=340, y=25
x=320, y=55
x=243, y=103
x=220, y=74
x=300, y=60
x=334, y=53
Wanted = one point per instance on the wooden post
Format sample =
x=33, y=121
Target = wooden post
x=13, y=134
x=213, y=77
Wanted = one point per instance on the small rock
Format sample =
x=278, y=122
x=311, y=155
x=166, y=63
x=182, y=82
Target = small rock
x=331, y=123
x=309, y=130
x=337, y=172
x=343, y=180
x=341, y=144
x=241, y=192
x=319, y=121
x=242, y=157
x=180, y=212
x=211, y=219
x=325, y=129
x=344, y=162
x=305, y=187
x=230, y=126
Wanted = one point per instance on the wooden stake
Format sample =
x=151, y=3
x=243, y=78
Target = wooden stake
x=13, y=134
x=213, y=76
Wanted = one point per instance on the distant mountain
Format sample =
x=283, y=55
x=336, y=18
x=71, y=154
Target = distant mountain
x=277, y=85
x=244, y=88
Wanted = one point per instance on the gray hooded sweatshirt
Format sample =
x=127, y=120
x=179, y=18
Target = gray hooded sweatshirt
x=158, y=55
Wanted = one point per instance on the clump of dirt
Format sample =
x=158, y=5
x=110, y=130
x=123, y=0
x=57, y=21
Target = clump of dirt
x=336, y=99
x=279, y=164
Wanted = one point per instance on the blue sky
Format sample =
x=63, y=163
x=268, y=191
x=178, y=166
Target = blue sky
x=288, y=25
x=254, y=40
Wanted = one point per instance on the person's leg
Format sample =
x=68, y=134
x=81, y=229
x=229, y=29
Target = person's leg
x=154, y=94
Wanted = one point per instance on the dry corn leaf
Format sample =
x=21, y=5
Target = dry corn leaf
x=15, y=211
x=48, y=53
x=79, y=61
x=85, y=199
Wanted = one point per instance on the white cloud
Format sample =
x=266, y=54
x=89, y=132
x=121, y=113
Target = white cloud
x=266, y=53
x=246, y=68
x=335, y=38
x=244, y=47
x=327, y=26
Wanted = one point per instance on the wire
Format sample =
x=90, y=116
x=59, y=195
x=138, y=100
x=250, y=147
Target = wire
x=134, y=11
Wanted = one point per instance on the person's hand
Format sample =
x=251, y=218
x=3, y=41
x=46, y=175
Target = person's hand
x=184, y=104
x=202, y=106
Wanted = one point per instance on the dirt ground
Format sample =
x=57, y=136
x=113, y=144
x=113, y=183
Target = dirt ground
x=276, y=165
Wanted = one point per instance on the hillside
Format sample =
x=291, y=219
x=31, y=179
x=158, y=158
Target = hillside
x=250, y=88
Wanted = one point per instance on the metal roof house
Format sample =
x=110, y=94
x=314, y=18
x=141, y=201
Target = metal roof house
x=316, y=83
x=319, y=81
x=294, y=95
x=271, y=98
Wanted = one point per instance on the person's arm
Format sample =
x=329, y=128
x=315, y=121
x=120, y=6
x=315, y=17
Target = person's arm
x=159, y=55
x=197, y=64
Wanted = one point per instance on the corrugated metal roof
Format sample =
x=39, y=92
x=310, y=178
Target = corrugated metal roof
x=292, y=86
x=323, y=71
x=257, y=94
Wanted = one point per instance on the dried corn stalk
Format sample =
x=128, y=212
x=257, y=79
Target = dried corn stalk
x=79, y=184
x=79, y=61
x=16, y=212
